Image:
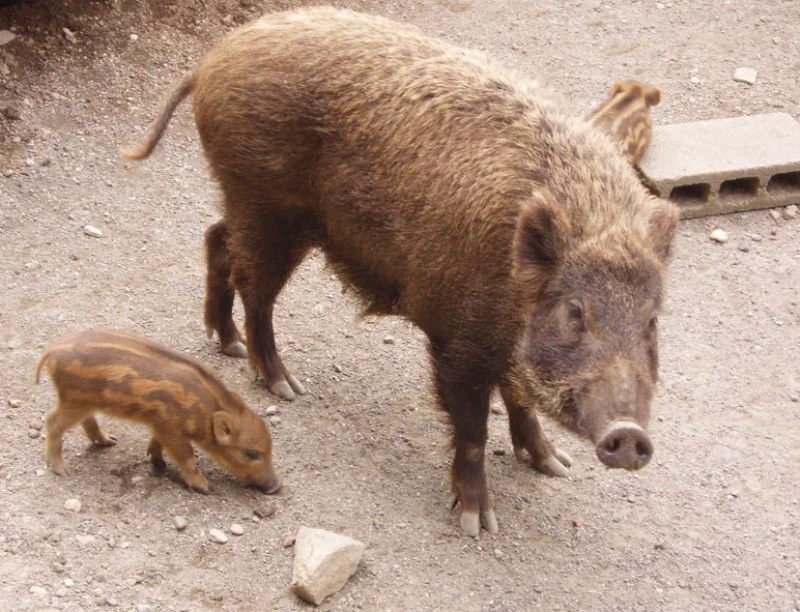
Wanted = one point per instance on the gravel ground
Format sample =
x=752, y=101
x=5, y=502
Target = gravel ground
x=711, y=524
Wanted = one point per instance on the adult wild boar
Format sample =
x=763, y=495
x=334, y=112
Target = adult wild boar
x=450, y=192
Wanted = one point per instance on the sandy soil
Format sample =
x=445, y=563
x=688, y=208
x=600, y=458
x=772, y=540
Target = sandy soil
x=711, y=524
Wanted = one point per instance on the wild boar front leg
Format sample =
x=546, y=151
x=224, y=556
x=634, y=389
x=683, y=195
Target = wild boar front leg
x=527, y=435
x=220, y=292
x=264, y=258
x=467, y=403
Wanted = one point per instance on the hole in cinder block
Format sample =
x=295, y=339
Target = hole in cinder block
x=691, y=194
x=738, y=189
x=784, y=183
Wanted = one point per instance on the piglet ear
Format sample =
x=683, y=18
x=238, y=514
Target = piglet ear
x=662, y=226
x=223, y=427
x=652, y=95
x=541, y=237
x=618, y=87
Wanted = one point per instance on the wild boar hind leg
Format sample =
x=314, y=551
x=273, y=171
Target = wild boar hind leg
x=220, y=292
x=266, y=252
x=467, y=403
x=527, y=435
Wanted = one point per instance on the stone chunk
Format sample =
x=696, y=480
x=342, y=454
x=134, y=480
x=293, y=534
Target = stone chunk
x=323, y=562
x=745, y=75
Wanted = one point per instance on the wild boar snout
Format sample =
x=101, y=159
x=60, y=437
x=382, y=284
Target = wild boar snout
x=625, y=445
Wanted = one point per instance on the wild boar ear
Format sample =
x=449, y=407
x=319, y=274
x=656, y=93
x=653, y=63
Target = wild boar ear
x=540, y=239
x=223, y=427
x=652, y=95
x=662, y=226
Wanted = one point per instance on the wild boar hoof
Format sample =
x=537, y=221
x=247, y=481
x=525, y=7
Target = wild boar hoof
x=555, y=465
x=235, y=349
x=296, y=385
x=60, y=469
x=107, y=441
x=471, y=522
x=282, y=389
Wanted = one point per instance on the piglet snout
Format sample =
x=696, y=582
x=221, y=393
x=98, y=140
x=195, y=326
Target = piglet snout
x=625, y=445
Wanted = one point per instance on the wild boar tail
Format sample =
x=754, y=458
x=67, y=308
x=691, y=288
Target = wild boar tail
x=156, y=131
x=40, y=365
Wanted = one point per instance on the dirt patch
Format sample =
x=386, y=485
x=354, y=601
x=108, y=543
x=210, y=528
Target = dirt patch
x=711, y=524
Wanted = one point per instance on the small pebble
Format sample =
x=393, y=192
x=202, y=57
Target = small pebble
x=68, y=582
x=795, y=398
x=70, y=35
x=237, y=529
x=134, y=37
x=756, y=237
x=271, y=410
x=73, y=504
x=337, y=368
x=774, y=214
x=498, y=554
x=719, y=235
x=83, y=539
x=500, y=452
x=743, y=247
x=265, y=510
x=143, y=608
x=14, y=403
x=660, y=6
x=37, y=425
x=745, y=75
x=790, y=212
x=6, y=36
x=275, y=420
x=389, y=340
x=695, y=80
x=91, y=230
x=287, y=540
x=38, y=591
x=218, y=536
x=180, y=523
x=33, y=434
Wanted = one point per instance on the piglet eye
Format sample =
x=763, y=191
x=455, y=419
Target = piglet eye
x=252, y=455
x=575, y=312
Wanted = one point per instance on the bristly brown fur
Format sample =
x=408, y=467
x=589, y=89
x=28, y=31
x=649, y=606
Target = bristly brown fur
x=442, y=188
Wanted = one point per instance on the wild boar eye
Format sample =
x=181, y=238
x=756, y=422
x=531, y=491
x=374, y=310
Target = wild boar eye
x=252, y=455
x=575, y=312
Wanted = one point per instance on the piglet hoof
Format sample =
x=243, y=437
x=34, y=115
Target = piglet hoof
x=60, y=469
x=159, y=465
x=235, y=349
x=296, y=385
x=107, y=441
x=282, y=389
x=556, y=465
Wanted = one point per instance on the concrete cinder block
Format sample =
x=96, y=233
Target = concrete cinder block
x=726, y=165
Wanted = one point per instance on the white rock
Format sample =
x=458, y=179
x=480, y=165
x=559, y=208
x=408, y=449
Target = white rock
x=38, y=591
x=14, y=403
x=180, y=523
x=134, y=37
x=388, y=340
x=6, y=36
x=237, y=529
x=695, y=80
x=745, y=75
x=218, y=536
x=271, y=410
x=719, y=235
x=275, y=421
x=774, y=214
x=91, y=230
x=73, y=504
x=790, y=212
x=143, y=608
x=70, y=35
x=323, y=562
x=83, y=540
